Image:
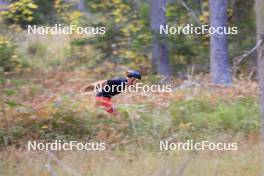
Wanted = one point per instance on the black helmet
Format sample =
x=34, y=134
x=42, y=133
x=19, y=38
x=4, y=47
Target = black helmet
x=133, y=74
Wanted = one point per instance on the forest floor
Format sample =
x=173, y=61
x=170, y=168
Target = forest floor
x=41, y=107
x=133, y=162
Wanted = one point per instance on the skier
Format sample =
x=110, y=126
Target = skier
x=109, y=88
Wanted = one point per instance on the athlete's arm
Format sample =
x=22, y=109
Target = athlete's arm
x=94, y=86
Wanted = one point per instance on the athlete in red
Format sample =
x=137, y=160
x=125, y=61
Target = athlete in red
x=112, y=87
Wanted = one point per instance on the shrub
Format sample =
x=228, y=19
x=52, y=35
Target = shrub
x=9, y=59
x=20, y=12
x=7, y=55
x=37, y=48
x=202, y=117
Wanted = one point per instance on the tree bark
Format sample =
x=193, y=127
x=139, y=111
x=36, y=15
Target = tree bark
x=160, y=58
x=81, y=5
x=220, y=67
x=3, y=5
x=260, y=53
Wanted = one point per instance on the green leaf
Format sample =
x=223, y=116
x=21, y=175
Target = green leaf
x=12, y=104
x=9, y=92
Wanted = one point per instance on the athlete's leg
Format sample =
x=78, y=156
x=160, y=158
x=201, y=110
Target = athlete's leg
x=105, y=103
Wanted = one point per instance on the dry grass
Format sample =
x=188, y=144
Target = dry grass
x=133, y=162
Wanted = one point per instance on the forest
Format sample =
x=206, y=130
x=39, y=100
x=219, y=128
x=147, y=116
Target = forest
x=55, y=121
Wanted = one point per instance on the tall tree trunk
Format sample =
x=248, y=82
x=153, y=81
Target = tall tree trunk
x=160, y=58
x=3, y=5
x=220, y=67
x=81, y=5
x=260, y=53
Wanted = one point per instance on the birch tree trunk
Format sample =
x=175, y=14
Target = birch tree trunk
x=3, y=5
x=220, y=67
x=260, y=53
x=81, y=5
x=160, y=58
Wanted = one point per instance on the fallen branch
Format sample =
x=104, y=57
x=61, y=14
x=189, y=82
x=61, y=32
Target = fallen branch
x=242, y=57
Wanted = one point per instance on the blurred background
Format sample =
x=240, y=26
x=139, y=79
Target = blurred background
x=214, y=97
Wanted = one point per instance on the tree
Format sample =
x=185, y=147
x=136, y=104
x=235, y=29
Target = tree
x=160, y=58
x=81, y=5
x=220, y=68
x=260, y=53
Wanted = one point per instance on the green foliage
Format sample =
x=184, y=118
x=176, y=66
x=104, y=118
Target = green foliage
x=125, y=34
x=25, y=12
x=8, y=58
x=38, y=49
x=146, y=121
x=200, y=116
x=20, y=12
x=192, y=119
x=127, y=42
x=65, y=13
x=128, y=39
